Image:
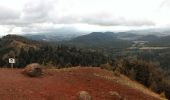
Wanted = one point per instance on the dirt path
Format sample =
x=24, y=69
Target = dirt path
x=62, y=85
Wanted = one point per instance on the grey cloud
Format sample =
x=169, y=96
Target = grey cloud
x=8, y=15
x=117, y=22
x=103, y=19
x=165, y=3
x=59, y=30
x=32, y=13
x=49, y=11
x=37, y=12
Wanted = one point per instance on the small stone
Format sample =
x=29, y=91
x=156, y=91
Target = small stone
x=115, y=96
x=84, y=95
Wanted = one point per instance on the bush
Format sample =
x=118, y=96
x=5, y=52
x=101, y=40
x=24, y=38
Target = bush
x=145, y=73
x=106, y=66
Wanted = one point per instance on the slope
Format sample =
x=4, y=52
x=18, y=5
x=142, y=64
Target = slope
x=64, y=84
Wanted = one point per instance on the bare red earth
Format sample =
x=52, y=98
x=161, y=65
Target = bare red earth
x=62, y=85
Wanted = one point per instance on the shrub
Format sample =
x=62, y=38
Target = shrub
x=106, y=66
x=145, y=73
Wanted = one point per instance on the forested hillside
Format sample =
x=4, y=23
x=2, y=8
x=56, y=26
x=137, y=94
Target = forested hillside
x=28, y=51
x=99, y=40
x=145, y=73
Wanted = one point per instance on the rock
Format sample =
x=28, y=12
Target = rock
x=115, y=96
x=84, y=95
x=33, y=70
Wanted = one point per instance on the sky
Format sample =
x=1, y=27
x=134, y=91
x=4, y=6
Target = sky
x=45, y=16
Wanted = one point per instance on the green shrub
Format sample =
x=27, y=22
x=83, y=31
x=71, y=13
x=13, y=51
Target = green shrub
x=145, y=73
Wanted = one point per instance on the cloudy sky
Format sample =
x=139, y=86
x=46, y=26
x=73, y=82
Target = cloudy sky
x=40, y=16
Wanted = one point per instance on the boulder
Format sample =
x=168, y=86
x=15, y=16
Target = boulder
x=116, y=96
x=33, y=70
x=84, y=95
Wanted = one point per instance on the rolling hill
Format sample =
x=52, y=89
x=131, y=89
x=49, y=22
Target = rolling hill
x=99, y=40
x=50, y=36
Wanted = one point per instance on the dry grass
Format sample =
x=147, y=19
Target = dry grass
x=121, y=79
x=126, y=81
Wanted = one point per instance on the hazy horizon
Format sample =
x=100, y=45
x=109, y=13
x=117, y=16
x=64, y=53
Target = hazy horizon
x=44, y=16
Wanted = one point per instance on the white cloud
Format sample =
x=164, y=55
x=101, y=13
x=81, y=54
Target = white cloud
x=21, y=16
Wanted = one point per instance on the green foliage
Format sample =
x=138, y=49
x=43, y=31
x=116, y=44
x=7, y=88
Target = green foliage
x=43, y=53
x=145, y=73
x=106, y=66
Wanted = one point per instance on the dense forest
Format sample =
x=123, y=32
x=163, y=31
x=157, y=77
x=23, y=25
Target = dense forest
x=27, y=51
x=158, y=57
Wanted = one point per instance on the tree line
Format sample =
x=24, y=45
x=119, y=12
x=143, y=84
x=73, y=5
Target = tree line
x=58, y=56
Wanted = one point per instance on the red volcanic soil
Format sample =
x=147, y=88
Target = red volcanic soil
x=63, y=84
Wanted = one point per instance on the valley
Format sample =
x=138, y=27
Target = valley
x=135, y=58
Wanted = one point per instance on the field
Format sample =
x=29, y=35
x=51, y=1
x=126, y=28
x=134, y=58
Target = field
x=64, y=84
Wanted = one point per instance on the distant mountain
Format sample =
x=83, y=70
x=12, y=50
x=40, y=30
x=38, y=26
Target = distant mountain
x=50, y=36
x=128, y=36
x=64, y=33
x=155, y=31
x=100, y=40
x=149, y=38
x=156, y=40
x=161, y=41
x=155, y=37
